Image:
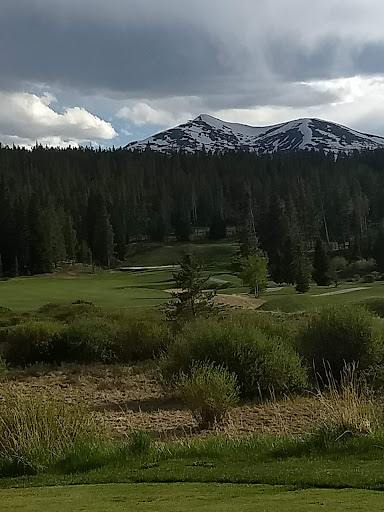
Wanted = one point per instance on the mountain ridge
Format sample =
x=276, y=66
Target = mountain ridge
x=208, y=133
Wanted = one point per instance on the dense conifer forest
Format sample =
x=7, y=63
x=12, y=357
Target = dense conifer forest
x=88, y=205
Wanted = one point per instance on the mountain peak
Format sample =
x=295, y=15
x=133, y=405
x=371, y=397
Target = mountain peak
x=207, y=133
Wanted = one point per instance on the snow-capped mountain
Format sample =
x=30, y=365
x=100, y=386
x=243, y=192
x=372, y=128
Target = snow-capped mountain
x=211, y=134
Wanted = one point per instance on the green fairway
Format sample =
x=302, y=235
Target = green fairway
x=288, y=300
x=213, y=254
x=186, y=497
x=106, y=289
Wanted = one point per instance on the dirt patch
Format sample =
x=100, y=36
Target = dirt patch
x=238, y=301
x=131, y=398
x=242, y=301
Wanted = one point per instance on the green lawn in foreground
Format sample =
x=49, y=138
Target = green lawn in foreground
x=187, y=497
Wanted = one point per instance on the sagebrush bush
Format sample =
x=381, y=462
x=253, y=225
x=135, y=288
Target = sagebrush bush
x=30, y=342
x=339, y=335
x=68, y=312
x=209, y=391
x=36, y=431
x=140, y=340
x=88, y=340
x=262, y=363
x=369, y=278
x=375, y=305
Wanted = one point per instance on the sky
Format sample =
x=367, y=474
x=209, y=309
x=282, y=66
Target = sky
x=97, y=72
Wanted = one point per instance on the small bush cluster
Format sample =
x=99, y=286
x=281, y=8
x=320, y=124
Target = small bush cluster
x=339, y=335
x=375, y=305
x=30, y=342
x=81, y=333
x=209, y=391
x=64, y=312
x=263, y=364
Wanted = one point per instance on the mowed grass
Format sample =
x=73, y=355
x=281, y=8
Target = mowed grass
x=110, y=290
x=288, y=300
x=187, y=497
x=215, y=255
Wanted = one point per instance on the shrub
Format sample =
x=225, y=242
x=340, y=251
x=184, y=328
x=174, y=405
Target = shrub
x=139, y=340
x=65, y=312
x=8, y=318
x=375, y=305
x=209, y=392
x=35, y=431
x=339, y=335
x=369, y=278
x=3, y=367
x=87, y=340
x=261, y=363
x=360, y=268
x=30, y=342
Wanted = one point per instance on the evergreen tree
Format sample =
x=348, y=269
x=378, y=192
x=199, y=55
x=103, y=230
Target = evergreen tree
x=40, y=257
x=16, y=267
x=103, y=237
x=157, y=227
x=192, y=301
x=378, y=250
x=53, y=221
x=303, y=273
x=70, y=238
x=321, y=266
x=218, y=228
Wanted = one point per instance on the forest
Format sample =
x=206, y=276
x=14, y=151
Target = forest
x=88, y=205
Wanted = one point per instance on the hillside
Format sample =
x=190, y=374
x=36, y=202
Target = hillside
x=206, y=133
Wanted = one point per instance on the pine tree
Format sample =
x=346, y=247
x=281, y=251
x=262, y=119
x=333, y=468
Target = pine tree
x=40, y=257
x=16, y=267
x=378, y=249
x=70, y=237
x=103, y=237
x=193, y=300
x=303, y=274
x=218, y=228
x=321, y=266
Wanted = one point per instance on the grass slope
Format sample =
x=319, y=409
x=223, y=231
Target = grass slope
x=289, y=301
x=186, y=497
x=106, y=289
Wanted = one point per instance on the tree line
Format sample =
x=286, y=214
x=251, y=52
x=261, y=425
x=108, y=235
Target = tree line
x=89, y=205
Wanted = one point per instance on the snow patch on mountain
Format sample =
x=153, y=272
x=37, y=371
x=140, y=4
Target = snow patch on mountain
x=207, y=133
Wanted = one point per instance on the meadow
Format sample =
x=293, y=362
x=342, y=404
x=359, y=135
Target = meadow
x=275, y=451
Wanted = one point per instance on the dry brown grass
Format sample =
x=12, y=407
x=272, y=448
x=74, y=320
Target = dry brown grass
x=132, y=398
x=347, y=404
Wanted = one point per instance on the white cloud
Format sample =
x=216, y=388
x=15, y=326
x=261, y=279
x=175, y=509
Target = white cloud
x=360, y=106
x=26, y=118
x=164, y=112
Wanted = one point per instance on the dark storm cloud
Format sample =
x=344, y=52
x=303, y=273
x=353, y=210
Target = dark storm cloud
x=159, y=61
x=137, y=49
